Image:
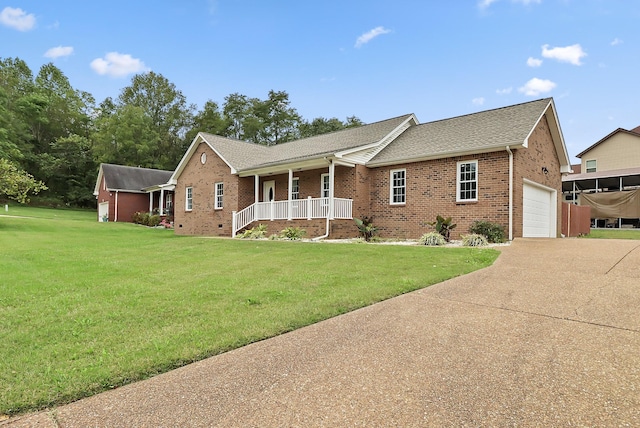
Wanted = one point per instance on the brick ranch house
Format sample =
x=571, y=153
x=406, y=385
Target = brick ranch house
x=122, y=191
x=503, y=165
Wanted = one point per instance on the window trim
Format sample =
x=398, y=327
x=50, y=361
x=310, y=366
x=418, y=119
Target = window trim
x=392, y=186
x=188, y=198
x=459, y=182
x=595, y=167
x=322, y=189
x=219, y=195
x=295, y=190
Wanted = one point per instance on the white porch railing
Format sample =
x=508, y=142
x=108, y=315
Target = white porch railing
x=297, y=209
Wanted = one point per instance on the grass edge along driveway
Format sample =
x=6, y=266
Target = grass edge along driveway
x=88, y=306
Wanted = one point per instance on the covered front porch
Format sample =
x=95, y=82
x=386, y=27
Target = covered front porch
x=310, y=195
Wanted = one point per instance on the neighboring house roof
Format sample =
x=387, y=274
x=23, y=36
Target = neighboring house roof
x=635, y=132
x=398, y=140
x=625, y=172
x=129, y=178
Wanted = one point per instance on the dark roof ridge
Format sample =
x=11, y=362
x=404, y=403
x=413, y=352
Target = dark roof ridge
x=135, y=167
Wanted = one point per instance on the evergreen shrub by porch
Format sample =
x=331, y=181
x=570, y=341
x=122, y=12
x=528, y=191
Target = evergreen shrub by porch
x=146, y=219
x=292, y=233
x=256, y=232
x=492, y=231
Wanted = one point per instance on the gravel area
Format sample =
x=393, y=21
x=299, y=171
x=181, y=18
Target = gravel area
x=547, y=336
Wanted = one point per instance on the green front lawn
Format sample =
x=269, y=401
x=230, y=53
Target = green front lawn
x=88, y=306
x=614, y=234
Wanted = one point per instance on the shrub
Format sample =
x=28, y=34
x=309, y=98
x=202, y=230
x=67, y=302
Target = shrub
x=366, y=227
x=256, y=232
x=443, y=226
x=153, y=220
x=292, y=233
x=137, y=217
x=432, y=238
x=492, y=231
x=474, y=240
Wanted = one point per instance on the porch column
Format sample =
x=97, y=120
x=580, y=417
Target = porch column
x=161, y=201
x=256, y=190
x=575, y=198
x=332, y=173
x=290, y=195
x=151, y=202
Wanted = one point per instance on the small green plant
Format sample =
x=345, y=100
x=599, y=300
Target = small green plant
x=443, y=226
x=366, y=227
x=474, y=240
x=292, y=233
x=492, y=231
x=256, y=232
x=432, y=239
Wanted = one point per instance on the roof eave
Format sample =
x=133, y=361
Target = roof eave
x=445, y=155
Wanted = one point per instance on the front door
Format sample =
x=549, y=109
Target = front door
x=268, y=191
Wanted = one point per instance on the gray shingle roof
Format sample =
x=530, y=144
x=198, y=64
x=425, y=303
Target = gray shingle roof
x=475, y=132
x=133, y=178
x=242, y=155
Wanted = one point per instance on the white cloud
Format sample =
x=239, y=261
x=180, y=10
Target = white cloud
x=213, y=6
x=370, y=35
x=478, y=101
x=571, y=54
x=534, y=62
x=504, y=91
x=116, y=64
x=616, y=42
x=483, y=4
x=58, y=51
x=17, y=19
x=535, y=87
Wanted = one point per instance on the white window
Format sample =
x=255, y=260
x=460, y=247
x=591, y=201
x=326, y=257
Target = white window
x=591, y=166
x=295, y=188
x=398, y=187
x=189, y=199
x=467, y=181
x=219, y=193
x=168, y=202
x=324, y=190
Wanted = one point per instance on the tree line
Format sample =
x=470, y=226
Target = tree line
x=53, y=137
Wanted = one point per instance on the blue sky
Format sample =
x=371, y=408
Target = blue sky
x=374, y=59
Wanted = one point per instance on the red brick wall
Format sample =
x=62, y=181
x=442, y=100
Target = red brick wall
x=127, y=203
x=528, y=163
x=203, y=219
x=431, y=191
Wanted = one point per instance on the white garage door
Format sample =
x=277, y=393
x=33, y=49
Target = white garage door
x=538, y=212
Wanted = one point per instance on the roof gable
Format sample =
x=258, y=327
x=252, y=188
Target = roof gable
x=474, y=133
x=635, y=132
x=131, y=179
x=243, y=156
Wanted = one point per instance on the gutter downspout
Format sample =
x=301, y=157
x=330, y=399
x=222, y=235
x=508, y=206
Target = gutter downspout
x=329, y=211
x=510, y=193
x=115, y=215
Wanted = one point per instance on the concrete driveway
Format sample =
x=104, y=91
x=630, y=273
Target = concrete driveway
x=547, y=336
